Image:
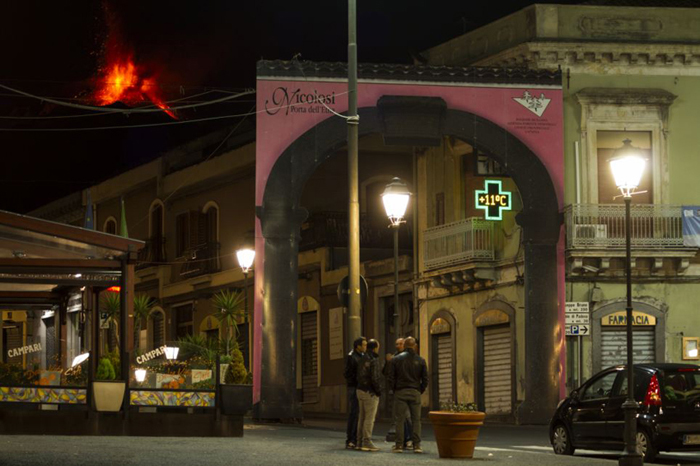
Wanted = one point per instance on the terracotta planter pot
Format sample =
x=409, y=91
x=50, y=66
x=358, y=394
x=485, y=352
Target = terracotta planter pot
x=456, y=433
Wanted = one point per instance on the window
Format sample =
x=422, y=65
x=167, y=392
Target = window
x=184, y=324
x=439, y=209
x=608, y=143
x=182, y=234
x=487, y=166
x=641, y=383
x=111, y=226
x=600, y=387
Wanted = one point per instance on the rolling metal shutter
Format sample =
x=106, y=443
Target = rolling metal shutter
x=498, y=370
x=614, y=348
x=51, y=347
x=309, y=358
x=444, y=357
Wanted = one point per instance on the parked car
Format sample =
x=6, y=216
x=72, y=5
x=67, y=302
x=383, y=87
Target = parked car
x=669, y=411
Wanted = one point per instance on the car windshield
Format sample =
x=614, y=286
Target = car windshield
x=681, y=384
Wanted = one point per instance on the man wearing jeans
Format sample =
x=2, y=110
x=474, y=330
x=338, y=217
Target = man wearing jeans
x=369, y=389
x=351, y=364
x=408, y=376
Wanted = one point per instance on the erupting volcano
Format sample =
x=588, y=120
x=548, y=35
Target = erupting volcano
x=121, y=79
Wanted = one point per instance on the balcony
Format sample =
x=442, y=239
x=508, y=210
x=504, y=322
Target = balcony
x=330, y=229
x=200, y=260
x=152, y=254
x=596, y=232
x=471, y=239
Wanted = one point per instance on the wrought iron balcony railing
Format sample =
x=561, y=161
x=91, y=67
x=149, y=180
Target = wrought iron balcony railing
x=153, y=253
x=596, y=226
x=201, y=260
x=330, y=229
x=454, y=243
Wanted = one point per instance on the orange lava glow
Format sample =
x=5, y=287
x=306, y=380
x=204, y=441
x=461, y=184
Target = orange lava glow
x=121, y=78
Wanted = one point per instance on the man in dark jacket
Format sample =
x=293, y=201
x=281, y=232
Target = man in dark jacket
x=408, y=377
x=351, y=364
x=369, y=389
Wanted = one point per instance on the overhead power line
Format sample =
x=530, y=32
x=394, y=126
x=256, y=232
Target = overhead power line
x=127, y=111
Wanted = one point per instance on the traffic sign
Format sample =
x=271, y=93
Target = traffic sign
x=578, y=330
x=577, y=318
x=576, y=307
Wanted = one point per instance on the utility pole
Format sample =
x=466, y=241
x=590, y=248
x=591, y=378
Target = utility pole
x=354, y=317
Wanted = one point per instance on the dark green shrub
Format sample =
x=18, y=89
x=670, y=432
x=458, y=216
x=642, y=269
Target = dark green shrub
x=105, y=370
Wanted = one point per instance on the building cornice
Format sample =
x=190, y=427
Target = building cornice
x=602, y=57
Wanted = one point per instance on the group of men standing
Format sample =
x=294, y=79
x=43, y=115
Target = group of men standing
x=406, y=375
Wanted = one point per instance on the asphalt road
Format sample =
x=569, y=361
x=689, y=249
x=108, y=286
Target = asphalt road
x=316, y=443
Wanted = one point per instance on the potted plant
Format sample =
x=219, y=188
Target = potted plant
x=456, y=428
x=236, y=395
x=107, y=392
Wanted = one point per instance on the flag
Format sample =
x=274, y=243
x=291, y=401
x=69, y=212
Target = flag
x=89, y=218
x=123, y=231
x=691, y=225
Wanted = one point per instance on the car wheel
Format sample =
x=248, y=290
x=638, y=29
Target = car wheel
x=645, y=447
x=561, y=441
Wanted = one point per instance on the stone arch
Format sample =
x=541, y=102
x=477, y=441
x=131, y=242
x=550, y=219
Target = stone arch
x=155, y=204
x=213, y=205
x=111, y=220
x=420, y=121
x=647, y=306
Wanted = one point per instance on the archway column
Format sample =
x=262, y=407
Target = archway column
x=543, y=332
x=278, y=396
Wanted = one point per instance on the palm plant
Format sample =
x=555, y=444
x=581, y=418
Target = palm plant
x=229, y=308
x=142, y=309
x=111, y=305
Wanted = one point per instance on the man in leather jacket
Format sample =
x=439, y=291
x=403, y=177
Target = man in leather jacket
x=369, y=389
x=351, y=363
x=408, y=377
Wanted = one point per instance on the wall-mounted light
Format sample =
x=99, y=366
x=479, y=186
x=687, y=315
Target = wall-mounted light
x=140, y=375
x=79, y=359
x=691, y=345
x=171, y=352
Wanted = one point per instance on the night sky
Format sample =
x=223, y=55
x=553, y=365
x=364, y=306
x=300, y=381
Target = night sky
x=54, y=49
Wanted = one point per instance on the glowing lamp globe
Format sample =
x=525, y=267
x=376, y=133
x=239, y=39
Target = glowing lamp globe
x=627, y=167
x=140, y=375
x=245, y=257
x=395, y=198
x=171, y=352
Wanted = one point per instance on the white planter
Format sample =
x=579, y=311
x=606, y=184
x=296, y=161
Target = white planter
x=108, y=395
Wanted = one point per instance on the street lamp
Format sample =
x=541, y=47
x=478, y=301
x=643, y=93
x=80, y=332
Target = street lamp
x=395, y=198
x=628, y=166
x=245, y=256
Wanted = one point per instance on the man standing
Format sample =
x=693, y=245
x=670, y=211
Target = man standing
x=351, y=364
x=408, y=433
x=369, y=389
x=408, y=377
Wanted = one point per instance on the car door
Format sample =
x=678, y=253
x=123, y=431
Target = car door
x=588, y=409
x=614, y=413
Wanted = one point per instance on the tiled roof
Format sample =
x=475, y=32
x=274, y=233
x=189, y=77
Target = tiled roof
x=308, y=69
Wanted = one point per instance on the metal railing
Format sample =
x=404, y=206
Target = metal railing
x=458, y=242
x=603, y=226
x=153, y=252
x=200, y=260
x=330, y=229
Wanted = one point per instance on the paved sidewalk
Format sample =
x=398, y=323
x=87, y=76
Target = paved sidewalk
x=315, y=444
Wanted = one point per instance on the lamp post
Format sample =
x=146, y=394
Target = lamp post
x=395, y=198
x=627, y=167
x=245, y=257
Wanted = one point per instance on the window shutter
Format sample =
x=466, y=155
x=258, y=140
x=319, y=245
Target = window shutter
x=196, y=238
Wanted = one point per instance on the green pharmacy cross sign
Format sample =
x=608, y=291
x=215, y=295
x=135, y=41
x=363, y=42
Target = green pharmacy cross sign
x=493, y=200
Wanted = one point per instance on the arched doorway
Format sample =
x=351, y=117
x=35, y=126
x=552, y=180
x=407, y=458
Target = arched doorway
x=609, y=335
x=428, y=118
x=495, y=358
x=443, y=358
